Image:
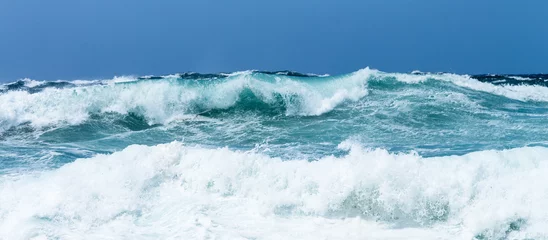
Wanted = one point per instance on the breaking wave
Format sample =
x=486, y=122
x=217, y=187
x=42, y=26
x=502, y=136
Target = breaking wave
x=176, y=191
x=165, y=100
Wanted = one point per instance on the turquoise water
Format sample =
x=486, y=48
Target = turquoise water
x=364, y=155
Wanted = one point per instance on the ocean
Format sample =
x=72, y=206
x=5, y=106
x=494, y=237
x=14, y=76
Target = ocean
x=276, y=155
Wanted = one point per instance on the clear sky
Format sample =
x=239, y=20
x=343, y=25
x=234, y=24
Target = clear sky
x=83, y=39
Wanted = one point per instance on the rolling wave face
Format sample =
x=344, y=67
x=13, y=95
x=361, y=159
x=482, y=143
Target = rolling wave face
x=173, y=191
x=170, y=98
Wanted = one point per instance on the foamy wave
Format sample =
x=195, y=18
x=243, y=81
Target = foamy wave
x=166, y=99
x=173, y=191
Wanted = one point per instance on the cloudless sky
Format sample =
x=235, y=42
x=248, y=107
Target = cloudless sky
x=85, y=39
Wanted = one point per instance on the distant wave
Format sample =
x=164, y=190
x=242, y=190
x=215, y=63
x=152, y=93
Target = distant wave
x=28, y=84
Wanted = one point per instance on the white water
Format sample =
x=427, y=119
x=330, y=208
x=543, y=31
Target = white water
x=171, y=191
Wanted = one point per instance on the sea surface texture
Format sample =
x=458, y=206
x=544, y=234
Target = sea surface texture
x=276, y=155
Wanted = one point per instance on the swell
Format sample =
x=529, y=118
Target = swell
x=165, y=99
x=488, y=195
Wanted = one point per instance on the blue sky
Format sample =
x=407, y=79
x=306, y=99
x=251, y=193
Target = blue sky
x=83, y=39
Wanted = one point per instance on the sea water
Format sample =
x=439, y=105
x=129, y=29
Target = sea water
x=276, y=155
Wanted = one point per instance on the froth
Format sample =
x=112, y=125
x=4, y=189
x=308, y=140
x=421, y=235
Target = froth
x=173, y=191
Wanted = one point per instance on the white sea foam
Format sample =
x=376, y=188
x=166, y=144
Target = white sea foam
x=319, y=75
x=521, y=78
x=171, y=191
x=499, y=81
